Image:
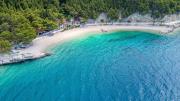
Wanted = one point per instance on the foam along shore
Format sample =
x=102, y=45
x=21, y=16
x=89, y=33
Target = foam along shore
x=40, y=44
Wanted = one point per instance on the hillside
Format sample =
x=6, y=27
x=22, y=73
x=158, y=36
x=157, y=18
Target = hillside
x=21, y=20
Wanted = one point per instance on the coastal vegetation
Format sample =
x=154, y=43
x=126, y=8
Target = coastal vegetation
x=21, y=20
x=4, y=46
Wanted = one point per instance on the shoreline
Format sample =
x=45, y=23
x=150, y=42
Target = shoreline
x=40, y=44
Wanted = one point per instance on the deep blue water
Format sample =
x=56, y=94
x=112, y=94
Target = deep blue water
x=120, y=66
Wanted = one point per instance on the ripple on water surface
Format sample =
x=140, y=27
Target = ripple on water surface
x=120, y=66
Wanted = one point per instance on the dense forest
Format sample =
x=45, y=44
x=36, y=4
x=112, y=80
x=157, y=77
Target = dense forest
x=21, y=20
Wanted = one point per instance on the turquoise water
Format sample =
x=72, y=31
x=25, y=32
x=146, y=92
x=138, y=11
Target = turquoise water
x=120, y=66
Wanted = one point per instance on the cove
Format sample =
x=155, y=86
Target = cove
x=119, y=66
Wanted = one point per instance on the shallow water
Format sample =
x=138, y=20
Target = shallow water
x=120, y=66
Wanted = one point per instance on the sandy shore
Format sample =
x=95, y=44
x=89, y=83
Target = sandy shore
x=41, y=44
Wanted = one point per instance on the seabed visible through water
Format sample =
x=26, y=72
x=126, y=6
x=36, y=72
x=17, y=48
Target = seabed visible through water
x=120, y=66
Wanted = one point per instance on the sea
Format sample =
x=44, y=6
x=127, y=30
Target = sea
x=113, y=66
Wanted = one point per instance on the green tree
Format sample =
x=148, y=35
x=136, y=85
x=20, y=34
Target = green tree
x=49, y=24
x=113, y=14
x=5, y=46
x=6, y=35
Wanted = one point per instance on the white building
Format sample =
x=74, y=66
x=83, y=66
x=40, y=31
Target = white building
x=103, y=18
